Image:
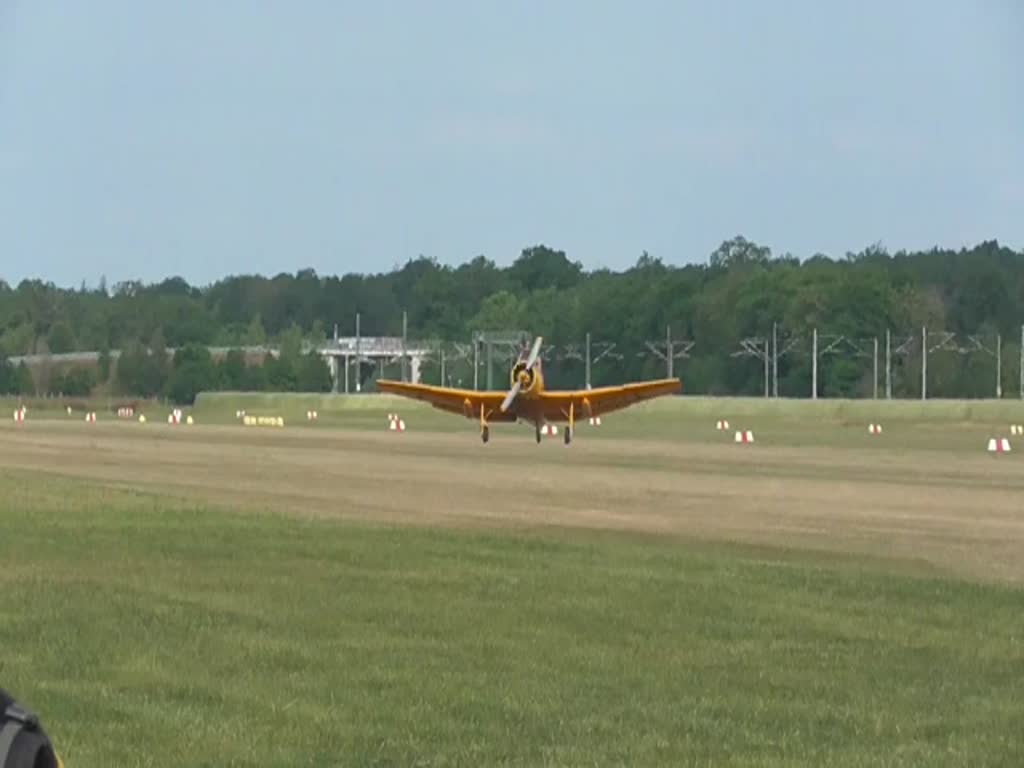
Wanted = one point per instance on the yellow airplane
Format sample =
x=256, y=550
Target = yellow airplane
x=528, y=401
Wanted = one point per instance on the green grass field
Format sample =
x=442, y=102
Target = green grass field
x=940, y=425
x=794, y=422
x=154, y=632
x=332, y=594
x=341, y=407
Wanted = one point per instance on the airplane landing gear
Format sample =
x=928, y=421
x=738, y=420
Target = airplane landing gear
x=568, y=435
x=537, y=428
x=485, y=433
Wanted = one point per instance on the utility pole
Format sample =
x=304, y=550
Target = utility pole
x=476, y=362
x=490, y=366
x=775, y=360
x=668, y=348
x=359, y=360
x=924, y=362
x=587, y=353
x=999, y=366
x=888, y=365
x=766, y=358
x=874, y=378
x=404, y=346
x=814, y=364
x=337, y=361
x=441, y=355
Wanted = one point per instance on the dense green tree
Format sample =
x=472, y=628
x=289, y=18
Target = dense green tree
x=740, y=292
x=104, y=363
x=232, y=373
x=739, y=252
x=255, y=336
x=60, y=339
x=541, y=267
x=131, y=367
x=75, y=382
x=24, y=383
x=8, y=377
x=313, y=375
x=255, y=379
x=193, y=372
x=281, y=373
x=155, y=369
x=499, y=311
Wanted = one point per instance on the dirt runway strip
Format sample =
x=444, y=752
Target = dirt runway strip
x=960, y=514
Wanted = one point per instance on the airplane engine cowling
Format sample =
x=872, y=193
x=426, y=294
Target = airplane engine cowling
x=526, y=376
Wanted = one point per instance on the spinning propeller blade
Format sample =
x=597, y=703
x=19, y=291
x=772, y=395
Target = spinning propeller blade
x=534, y=353
x=510, y=396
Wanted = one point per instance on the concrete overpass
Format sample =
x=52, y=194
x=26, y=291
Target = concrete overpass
x=340, y=353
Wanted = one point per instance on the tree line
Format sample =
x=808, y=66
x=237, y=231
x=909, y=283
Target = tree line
x=739, y=292
x=152, y=371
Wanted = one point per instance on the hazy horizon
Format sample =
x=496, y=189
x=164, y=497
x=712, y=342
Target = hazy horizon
x=200, y=140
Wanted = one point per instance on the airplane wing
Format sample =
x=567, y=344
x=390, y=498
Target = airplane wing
x=464, y=402
x=596, y=402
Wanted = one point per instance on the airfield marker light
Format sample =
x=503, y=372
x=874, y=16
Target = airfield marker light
x=745, y=436
x=998, y=445
x=874, y=429
x=722, y=425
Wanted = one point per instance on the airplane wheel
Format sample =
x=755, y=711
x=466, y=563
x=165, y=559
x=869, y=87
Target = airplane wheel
x=568, y=435
x=485, y=434
x=538, y=433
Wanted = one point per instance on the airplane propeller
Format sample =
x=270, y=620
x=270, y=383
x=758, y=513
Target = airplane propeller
x=518, y=385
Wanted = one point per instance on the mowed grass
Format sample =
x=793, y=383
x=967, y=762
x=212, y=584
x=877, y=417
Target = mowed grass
x=959, y=426
x=943, y=426
x=151, y=631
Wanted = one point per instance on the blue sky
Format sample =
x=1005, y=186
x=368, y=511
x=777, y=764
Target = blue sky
x=142, y=140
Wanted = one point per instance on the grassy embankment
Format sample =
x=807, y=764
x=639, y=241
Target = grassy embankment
x=937, y=423
x=149, y=631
